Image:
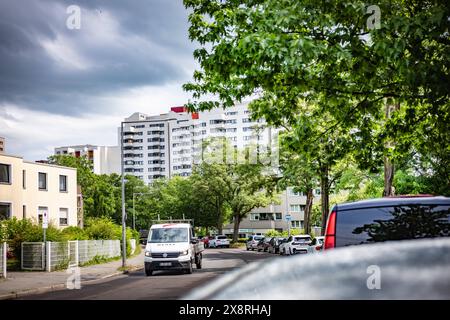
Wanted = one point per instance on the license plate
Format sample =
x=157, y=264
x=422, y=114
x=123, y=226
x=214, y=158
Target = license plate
x=165, y=264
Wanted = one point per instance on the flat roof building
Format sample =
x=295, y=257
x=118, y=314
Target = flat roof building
x=28, y=190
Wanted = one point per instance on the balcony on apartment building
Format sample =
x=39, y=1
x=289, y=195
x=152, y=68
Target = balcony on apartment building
x=156, y=132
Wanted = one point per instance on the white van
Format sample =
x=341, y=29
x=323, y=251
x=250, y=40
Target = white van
x=172, y=246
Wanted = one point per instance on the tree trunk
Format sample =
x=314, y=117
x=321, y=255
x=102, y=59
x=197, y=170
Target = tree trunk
x=237, y=221
x=324, y=196
x=219, y=218
x=308, y=208
x=389, y=171
x=389, y=168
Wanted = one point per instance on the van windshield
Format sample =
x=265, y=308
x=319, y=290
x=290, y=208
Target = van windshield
x=164, y=235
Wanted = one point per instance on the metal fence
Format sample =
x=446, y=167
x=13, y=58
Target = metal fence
x=88, y=249
x=33, y=256
x=60, y=255
x=3, y=252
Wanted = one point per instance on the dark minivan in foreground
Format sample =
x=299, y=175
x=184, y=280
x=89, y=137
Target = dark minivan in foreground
x=387, y=219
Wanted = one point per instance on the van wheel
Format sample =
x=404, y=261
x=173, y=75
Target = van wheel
x=148, y=272
x=198, y=264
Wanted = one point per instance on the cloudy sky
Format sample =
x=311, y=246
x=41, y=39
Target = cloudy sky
x=61, y=87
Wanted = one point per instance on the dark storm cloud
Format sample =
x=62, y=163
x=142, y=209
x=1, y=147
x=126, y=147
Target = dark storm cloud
x=121, y=45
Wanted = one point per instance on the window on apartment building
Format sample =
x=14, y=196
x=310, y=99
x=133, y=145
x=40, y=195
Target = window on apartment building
x=231, y=129
x=245, y=129
x=63, y=216
x=62, y=183
x=296, y=208
x=317, y=192
x=24, y=179
x=293, y=193
x=231, y=121
x=42, y=183
x=295, y=224
x=5, y=210
x=5, y=173
x=24, y=212
x=278, y=216
x=266, y=216
x=231, y=113
x=246, y=120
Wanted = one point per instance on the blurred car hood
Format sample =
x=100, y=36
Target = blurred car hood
x=410, y=269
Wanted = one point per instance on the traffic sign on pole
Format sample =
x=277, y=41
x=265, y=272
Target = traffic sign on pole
x=288, y=217
x=45, y=220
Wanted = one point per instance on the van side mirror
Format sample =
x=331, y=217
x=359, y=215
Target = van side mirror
x=194, y=241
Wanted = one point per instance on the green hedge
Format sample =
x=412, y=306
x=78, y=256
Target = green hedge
x=15, y=231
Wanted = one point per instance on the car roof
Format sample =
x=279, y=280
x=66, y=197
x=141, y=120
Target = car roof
x=393, y=201
x=170, y=225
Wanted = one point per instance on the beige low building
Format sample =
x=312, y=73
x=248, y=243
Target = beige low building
x=28, y=189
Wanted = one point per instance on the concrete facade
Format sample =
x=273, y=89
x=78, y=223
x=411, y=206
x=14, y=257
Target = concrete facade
x=261, y=220
x=105, y=159
x=2, y=145
x=167, y=145
x=27, y=189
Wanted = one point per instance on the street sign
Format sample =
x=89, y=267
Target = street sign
x=44, y=220
x=288, y=217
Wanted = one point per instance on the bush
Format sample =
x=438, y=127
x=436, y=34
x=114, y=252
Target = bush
x=74, y=233
x=102, y=229
x=15, y=231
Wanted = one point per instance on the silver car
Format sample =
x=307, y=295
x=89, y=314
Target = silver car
x=252, y=242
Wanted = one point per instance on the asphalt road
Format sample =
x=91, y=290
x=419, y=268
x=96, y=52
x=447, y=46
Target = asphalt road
x=163, y=284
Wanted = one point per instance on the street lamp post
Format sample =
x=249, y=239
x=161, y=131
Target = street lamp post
x=124, y=241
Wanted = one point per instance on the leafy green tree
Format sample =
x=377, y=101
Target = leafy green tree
x=291, y=50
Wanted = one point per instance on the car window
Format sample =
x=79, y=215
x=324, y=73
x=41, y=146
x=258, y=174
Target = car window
x=392, y=223
x=164, y=235
x=221, y=237
x=302, y=239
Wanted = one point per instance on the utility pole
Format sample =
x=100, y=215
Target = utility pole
x=124, y=240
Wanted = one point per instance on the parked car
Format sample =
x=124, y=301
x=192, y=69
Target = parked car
x=263, y=244
x=219, y=241
x=316, y=245
x=252, y=241
x=143, y=235
x=274, y=244
x=295, y=244
x=410, y=270
x=387, y=219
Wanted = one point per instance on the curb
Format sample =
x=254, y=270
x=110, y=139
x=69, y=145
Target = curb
x=62, y=286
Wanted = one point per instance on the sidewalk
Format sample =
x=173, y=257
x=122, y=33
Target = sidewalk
x=32, y=282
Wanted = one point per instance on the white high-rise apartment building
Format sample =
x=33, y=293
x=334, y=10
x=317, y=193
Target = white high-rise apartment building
x=105, y=159
x=167, y=145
